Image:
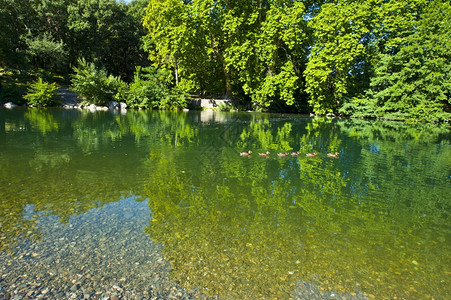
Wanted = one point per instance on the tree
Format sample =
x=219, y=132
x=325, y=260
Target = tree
x=381, y=59
x=233, y=47
x=340, y=52
x=184, y=37
x=267, y=53
x=151, y=88
x=166, y=22
x=46, y=53
x=414, y=82
x=103, y=32
x=15, y=19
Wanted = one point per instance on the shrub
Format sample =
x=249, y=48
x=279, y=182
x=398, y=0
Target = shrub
x=151, y=89
x=226, y=106
x=41, y=93
x=174, y=98
x=143, y=94
x=94, y=85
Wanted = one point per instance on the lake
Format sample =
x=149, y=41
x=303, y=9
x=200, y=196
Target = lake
x=161, y=204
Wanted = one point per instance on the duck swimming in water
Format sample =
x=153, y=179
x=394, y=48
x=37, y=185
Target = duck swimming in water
x=334, y=155
x=295, y=153
x=282, y=154
x=264, y=154
x=246, y=153
x=311, y=154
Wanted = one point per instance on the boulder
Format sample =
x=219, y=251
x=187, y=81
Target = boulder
x=9, y=105
x=91, y=107
x=113, y=105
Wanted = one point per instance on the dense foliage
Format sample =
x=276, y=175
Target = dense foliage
x=54, y=34
x=41, y=93
x=378, y=58
x=151, y=89
x=94, y=85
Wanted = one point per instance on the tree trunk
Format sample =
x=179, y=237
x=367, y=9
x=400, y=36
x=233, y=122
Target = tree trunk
x=176, y=70
x=228, y=85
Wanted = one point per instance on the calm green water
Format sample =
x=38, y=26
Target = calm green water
x=375, y=220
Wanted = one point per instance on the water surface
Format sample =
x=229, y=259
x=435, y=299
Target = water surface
x=162, y=203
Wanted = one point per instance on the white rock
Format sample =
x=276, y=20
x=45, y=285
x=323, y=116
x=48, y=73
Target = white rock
x=9, y=105
x=113, y=105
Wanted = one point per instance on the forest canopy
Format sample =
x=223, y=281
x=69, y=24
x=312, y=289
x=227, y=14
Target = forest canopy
x=376, y=58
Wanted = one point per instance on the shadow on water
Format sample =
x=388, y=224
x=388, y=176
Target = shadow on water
x=372, y=222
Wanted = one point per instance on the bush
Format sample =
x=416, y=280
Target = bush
x=226, y=106
x=174, y=98
x=41, y=93
x=151, y=89
x=94, y=85
x=144, y=94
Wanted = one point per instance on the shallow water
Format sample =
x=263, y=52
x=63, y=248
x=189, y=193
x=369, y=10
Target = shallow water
x=162, y=204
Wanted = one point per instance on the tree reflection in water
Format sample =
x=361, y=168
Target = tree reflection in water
x=374, y=220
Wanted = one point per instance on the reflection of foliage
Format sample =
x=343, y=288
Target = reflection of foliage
x=375, y=220
x=42, y=120
x=249, y=228
x=321, y=135
x=396, y=159
x=49, y=160
x=166, y=126
x=54, y=178
x=209, y=232
x=90, y=133
x=92, y=130
x=394, y=131
x=261, y=135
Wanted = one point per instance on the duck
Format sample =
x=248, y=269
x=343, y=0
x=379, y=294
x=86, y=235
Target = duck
x=246, y=153
x=282, y=154
x=335, y=155
x=264, y=154
x=295, y=153
x=311, y=154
